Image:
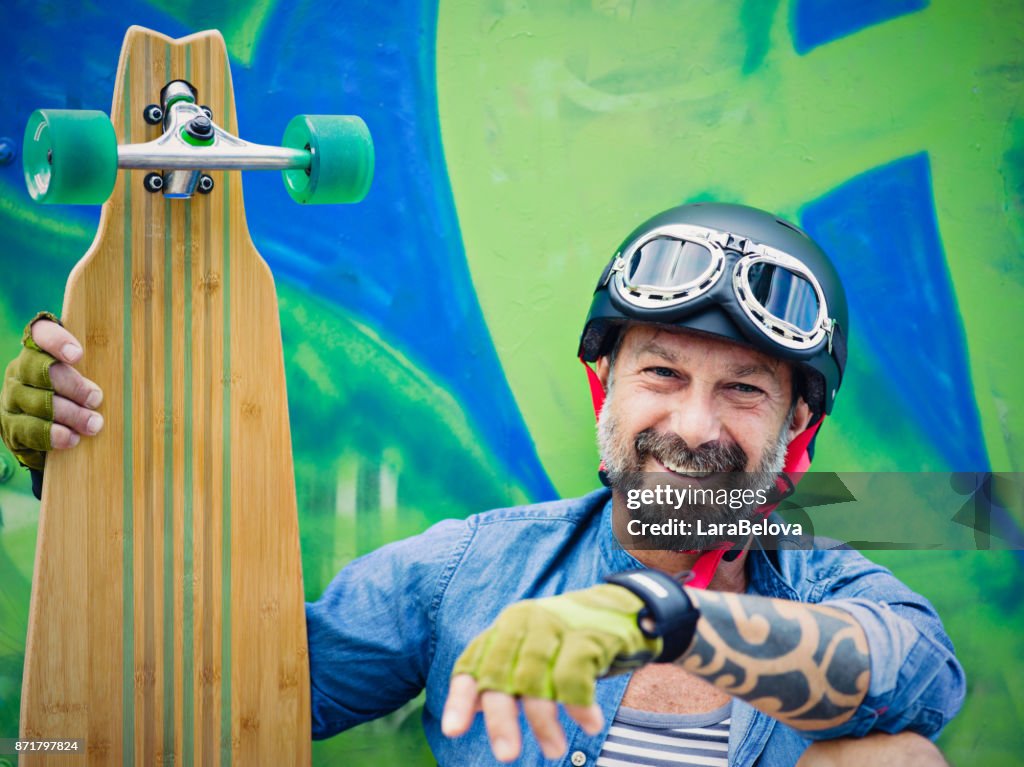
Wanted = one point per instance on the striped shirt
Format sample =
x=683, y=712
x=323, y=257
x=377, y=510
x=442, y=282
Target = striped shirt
x=645, y=739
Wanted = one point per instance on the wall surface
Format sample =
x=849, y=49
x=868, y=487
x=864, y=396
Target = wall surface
x=430, y=332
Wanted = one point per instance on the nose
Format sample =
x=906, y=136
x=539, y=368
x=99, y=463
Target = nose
x=695, y=418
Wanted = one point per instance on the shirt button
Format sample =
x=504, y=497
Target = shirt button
x=578, y=758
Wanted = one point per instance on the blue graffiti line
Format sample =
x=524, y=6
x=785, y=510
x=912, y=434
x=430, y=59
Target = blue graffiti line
x=881, y=229
x=816, y=22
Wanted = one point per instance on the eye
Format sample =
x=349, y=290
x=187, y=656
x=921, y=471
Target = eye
x=743, y=388
x=661, y=372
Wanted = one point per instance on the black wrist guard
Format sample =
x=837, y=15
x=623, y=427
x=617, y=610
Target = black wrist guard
x=666, y=604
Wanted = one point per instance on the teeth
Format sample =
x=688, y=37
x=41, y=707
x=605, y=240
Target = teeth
x=683, y=472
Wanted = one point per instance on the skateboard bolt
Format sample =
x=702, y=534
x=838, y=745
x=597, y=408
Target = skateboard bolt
x=200, y=127
x=205, y=184
x=7, y=151
x=153, y=114
x=207, y=111
x=153, y=182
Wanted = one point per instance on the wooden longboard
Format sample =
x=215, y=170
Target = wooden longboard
x=166, y=624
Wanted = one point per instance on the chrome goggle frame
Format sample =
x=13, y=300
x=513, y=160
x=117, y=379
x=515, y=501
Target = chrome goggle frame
x=669, y=298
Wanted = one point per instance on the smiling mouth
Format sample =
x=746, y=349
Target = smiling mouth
x=681, y=472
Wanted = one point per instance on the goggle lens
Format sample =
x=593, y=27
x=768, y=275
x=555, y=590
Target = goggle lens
x=667, y=264
x=784, y=295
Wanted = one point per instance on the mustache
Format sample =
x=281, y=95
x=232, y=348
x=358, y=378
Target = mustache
x=672, y=449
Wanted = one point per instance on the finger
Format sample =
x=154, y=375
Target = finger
x=26, y=432
x=576, y=669
x=61, y=437
x=461, y=705
x=501, y=715
x=79, y=419
x=589, y=717
x=58, y=341
x=69, y=383
x=543, y=718
x=32, y=368
x=19, y=398
x=498, y=659
x=531, y=676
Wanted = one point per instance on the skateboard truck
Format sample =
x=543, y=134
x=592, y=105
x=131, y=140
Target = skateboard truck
x=72, y=156
x=192, y=143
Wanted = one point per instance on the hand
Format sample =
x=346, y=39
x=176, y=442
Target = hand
x=45, y=403
x=545, y=652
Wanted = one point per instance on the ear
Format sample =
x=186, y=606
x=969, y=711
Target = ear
x=603, y=369
x=801, y=418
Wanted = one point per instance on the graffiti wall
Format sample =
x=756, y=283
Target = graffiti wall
x=430, y=332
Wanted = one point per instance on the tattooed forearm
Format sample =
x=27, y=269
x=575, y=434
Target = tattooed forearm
x=805, y=665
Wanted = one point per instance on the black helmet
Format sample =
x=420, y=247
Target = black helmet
x=730, y=271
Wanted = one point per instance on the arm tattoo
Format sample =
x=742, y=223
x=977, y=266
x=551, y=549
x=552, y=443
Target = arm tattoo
x=805, y=665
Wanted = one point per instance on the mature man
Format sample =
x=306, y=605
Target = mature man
x=719, y=336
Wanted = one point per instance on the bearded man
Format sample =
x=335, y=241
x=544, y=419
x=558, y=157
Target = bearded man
x=719, y=336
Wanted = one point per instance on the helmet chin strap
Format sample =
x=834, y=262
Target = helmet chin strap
x=798, y=460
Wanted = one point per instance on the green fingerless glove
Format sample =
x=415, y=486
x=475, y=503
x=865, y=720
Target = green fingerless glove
x=557, y=647
x=26, y=401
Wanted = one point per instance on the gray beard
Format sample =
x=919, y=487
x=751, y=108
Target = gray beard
x=624, y=459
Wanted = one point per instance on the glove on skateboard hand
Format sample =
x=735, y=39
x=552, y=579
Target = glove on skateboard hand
x=26, y=401
x=557, y=647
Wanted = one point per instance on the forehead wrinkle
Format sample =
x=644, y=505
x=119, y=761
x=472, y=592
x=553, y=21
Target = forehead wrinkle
x=651, y=346
x=762, y=364
x=742, y=371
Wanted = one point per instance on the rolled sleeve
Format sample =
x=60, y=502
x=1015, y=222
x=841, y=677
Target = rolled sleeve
x=916, y=682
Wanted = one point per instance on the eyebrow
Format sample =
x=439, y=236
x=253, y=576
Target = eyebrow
x=742, y=371
x=653, y=347
x=739, y=371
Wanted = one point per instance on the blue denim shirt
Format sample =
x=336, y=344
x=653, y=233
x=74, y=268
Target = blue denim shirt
x=394, y=621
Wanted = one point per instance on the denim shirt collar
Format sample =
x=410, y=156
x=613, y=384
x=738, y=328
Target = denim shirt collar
x=616, y=558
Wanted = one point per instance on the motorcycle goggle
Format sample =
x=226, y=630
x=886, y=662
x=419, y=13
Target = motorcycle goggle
x=677, y=269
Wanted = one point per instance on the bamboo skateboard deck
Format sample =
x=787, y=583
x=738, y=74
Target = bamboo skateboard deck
x=166, y=623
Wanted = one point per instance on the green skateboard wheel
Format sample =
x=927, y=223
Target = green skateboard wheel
x=341, y=158
x=69, y=156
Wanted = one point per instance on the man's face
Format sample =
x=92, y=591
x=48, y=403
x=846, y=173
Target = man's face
x=692, y=411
